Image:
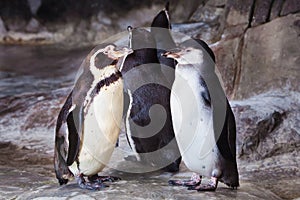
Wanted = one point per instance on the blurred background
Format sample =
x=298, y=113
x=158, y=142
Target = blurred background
x=256, y=43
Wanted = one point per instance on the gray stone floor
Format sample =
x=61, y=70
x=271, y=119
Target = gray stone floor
x=28, y=174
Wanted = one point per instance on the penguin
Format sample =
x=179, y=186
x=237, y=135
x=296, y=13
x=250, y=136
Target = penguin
x=160, y=30
x=88, y=124
x=203, y=120
x=148, y=123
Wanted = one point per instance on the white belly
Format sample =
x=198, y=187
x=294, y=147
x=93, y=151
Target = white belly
x=101, y=129
x=193, y=125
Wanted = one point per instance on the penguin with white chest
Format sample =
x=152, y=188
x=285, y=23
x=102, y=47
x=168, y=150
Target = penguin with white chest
x=88, y=124
x=204, y=123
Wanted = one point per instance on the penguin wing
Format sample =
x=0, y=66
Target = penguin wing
x=226, y=141
x=231, y=132
x=223, y=118
x=74, y=123
x=160, y=29
x=68, y=131
x=61, y=143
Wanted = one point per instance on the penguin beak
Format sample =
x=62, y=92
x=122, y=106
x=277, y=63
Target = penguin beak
x=118, y=53
x=173, y=53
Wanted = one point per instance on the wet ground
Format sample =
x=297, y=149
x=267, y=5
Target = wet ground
x=34, y=82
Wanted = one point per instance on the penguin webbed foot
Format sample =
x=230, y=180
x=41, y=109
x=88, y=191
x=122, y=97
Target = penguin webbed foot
x=194, y=181
x=211, y=186
x=89, y=185
x=96, y=178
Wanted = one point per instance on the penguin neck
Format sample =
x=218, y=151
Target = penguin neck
x=101, y=74
x=203, y=70
x=187, y=72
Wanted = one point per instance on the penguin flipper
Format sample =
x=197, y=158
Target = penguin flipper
x=226, y=141
x=232, y=132
x=160, y=29
x=74, y=122
x=161, y=20
x=61, y=133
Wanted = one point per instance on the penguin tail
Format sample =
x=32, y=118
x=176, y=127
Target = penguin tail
x=231, y=178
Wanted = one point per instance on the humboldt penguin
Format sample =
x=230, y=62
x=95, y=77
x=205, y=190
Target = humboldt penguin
x=148, y=123
x=203, y=121
x=88, y=124
x=160, y=29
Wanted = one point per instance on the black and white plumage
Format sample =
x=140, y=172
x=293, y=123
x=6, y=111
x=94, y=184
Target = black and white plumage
x=203, y=121
x=88, y=124
x=161, y=31
x=149, y=126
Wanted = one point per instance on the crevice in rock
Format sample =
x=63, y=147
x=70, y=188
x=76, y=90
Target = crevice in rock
x=270, y=11
x=237, y=74
x=280, y=8
x=251, y=14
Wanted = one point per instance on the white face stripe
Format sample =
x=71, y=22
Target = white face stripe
x=99, y=74
x=93, y=67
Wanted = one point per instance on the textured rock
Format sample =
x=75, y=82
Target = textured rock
x=33, y=26
x=15, y=14
x=227, y=54
x=213, y=15
x=268, y=138
x=34, y=5
x=238, y=13
x=268, y=125
x=182, y=10
x=270, y=57
x=3, y=30
x=261, y=12
x=290, y=6
x=276, y=8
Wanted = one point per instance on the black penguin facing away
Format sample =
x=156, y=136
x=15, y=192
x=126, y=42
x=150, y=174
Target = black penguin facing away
x=149, y=128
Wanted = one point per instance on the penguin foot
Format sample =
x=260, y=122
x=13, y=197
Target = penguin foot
x=89, y=185
x=101, y=179
x=194, y=181
x=211, y=186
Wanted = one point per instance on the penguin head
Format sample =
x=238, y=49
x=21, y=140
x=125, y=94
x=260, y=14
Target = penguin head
x=108, y=54
x=113, y=52
x=199, y=44
x=186, y=56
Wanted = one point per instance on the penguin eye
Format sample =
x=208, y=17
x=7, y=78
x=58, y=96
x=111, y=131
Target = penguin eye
x=188, y=50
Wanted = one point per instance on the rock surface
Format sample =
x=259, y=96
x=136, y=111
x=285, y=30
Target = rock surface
x=270, y=57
